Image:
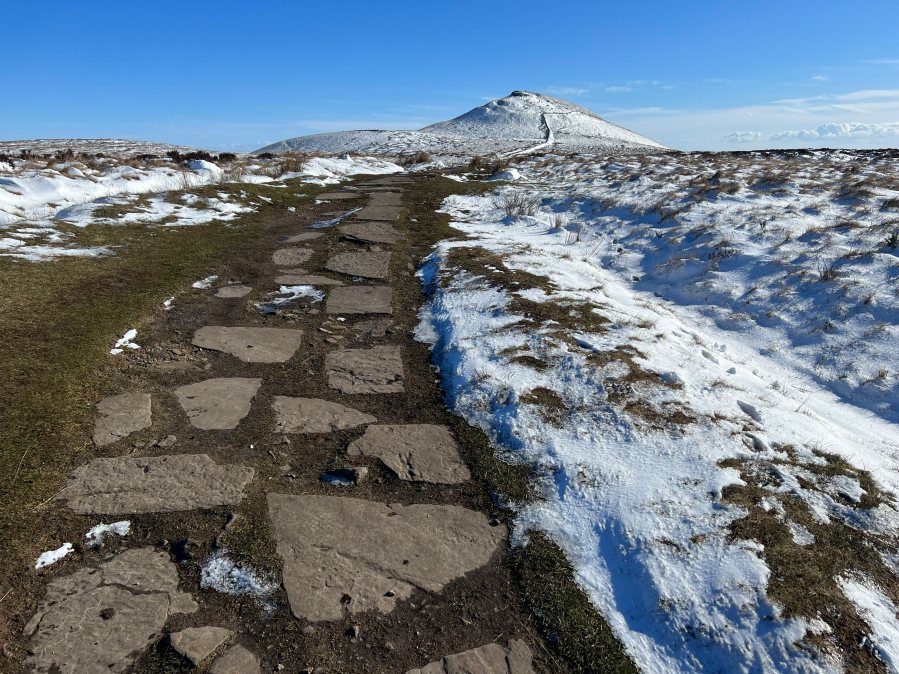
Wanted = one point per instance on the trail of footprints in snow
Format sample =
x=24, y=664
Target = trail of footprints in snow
x=339, y=554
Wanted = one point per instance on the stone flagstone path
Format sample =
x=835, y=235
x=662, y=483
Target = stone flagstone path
x=320, y=391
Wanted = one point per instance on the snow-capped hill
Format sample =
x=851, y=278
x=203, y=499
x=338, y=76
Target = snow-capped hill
x=523, y=115
x=519, y=122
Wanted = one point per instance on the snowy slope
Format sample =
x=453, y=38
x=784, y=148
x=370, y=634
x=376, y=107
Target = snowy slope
x=528, y=116
x=519, y=121
x=727, y=369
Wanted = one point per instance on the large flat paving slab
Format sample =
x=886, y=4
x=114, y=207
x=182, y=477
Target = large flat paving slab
x=385, y=213
x=198, y=643
x=218, y=404
x=371, y=232
x=414, y=452
x=312, y=415
x=303, y=236
x=360, y=300
x=233, y=292
x=236, y=660
x=375, y=370
x=487, y=659
x=385, y=199
x=100, y=619
x=120, y=416
x=364, y=263
x=251, y=345
x=292, y=257
x=154, y=484
x=350, y=555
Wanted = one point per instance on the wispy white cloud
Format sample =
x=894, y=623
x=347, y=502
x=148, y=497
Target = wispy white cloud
x=567, y=91
x=820, y=78
x=618, y=89
x=866, y=118
x=841, y=130
x=742, y=137
x=882, y=62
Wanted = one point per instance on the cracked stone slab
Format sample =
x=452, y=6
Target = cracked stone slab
x=303, y=236
x=378, y=213
x=371, y=232
x=251, y=345
x=375, y=370
x=312, y=415
x=236, y=660
x=218, y=404
x=154, y=484
x=360, y=300
x=100, y=619
x=414, y=452
x=198, y=643
x=351, y=555
x=487, y=659
x=292, y=257
x=120, y=416
x=233, y=292
x=306, y=280
x=368, y=264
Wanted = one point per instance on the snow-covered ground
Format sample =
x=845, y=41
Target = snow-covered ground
x=696, y=352
x=37, y=196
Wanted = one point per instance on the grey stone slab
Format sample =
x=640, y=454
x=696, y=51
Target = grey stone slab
x=294, y=270
x=236, y=660
x=233, y=292
x=303, y=236
x=312, y=415
x=367, y=264
x=251, y=345
x=338, y=196
x=385, y=199
x=374, y=327
x=198, y=643
x=375, y=370
x=100, y=619
x=218, y=404
x=132, y=485
x=487, y=659
x=360, y=300
x=414, y=452
x=292, y=257
x=306, y=280
x=371, y=232
x=385, y=213
x=344, y=554
x=119, y=416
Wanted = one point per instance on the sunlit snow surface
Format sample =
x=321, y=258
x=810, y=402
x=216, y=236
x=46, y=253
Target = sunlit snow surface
x=40, y=199
x=638, y=509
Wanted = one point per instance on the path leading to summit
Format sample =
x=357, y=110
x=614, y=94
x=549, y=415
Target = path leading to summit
x=298, y=497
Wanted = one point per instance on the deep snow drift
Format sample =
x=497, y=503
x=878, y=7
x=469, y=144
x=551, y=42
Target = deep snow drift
x=517, y=122
x=697, y=356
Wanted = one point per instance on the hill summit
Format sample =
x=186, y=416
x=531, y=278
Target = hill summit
x=520, y=120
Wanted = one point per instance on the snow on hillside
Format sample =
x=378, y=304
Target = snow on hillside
x=697, y=355
x=504, y=126
x=38, y=196
x=528, y=116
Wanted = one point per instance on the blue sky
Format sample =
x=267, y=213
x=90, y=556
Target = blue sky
x=236, y=75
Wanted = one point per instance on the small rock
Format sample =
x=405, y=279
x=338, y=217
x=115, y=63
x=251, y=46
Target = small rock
x=167, y=441
x=309, y=629
x=355, y=631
